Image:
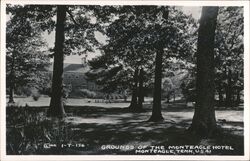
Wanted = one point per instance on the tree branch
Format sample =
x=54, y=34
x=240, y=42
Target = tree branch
x=72, y=17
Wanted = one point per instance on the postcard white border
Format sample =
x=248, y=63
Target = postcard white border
x=244, y=3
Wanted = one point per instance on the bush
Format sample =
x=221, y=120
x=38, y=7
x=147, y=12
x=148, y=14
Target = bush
x=45, y=91
x=188, y=90
x=28, y=129
x=99, y=95
x=87, y=93
x=24, y=91
x=35, y=94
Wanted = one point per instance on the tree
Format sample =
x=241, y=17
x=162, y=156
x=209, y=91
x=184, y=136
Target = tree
x=107, y=72
x=229, y=51
x=128, y=49
x=137, y=35
x=123, y=50
x=168, y=88
x=156, y=112
x=173, y=42
x=141, y=89
x=138, y=38
x=204, y=122
x=134, y=99
x=26, y=54
x=56, y=103
x=124, y=78
x=75, y=36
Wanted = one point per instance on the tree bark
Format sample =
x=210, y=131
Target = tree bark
x=140, y=90
x=204, y=122
x=56, y=103
x=229, y=89
x=133, y=103
x=156, y=111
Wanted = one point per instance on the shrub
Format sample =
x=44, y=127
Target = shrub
x=24, y=91
x=36, y=97
x=23, y=129
x=100, y=95
x=87, y=93
x=35, y=94
x=28, y=129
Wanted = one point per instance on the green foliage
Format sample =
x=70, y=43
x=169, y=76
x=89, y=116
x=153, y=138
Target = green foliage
x=135, y=33
x=228, y=55
x=22, y=130
x=26, y=55
x=87, y=93
x=112, y=78
x=229, y=39
x=31, y=17
x=35, y=94
x=167, y=88
x=80, y=29
x=188, y=89
x=28, y=133
x=229, y=50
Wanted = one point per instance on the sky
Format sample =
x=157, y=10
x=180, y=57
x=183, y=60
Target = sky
x=194, y=11
x=73, y=59
x=76, y=59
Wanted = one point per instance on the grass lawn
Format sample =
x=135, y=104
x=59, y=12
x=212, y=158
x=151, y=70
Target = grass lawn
x=115, y=130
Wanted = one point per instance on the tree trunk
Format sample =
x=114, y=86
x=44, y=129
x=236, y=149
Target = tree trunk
x=11, y=94
x=238, y=89
x=133, y=104
x=238, y=97
x=168, y=98
x=12, y=80
x=204, y=122
x=221, y=100
x=156, y=111
x=229, y=89
x=56, y=103
x=140, y=91
x=174, y=96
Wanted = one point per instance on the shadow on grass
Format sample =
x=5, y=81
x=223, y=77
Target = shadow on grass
x=89, y=129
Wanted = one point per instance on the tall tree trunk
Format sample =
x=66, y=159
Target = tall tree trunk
x=56, y=103
x=140, y=91
x=12, y=80
x=229, y=89
x=156, y=111
x=204, y=122
x=133, y=103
